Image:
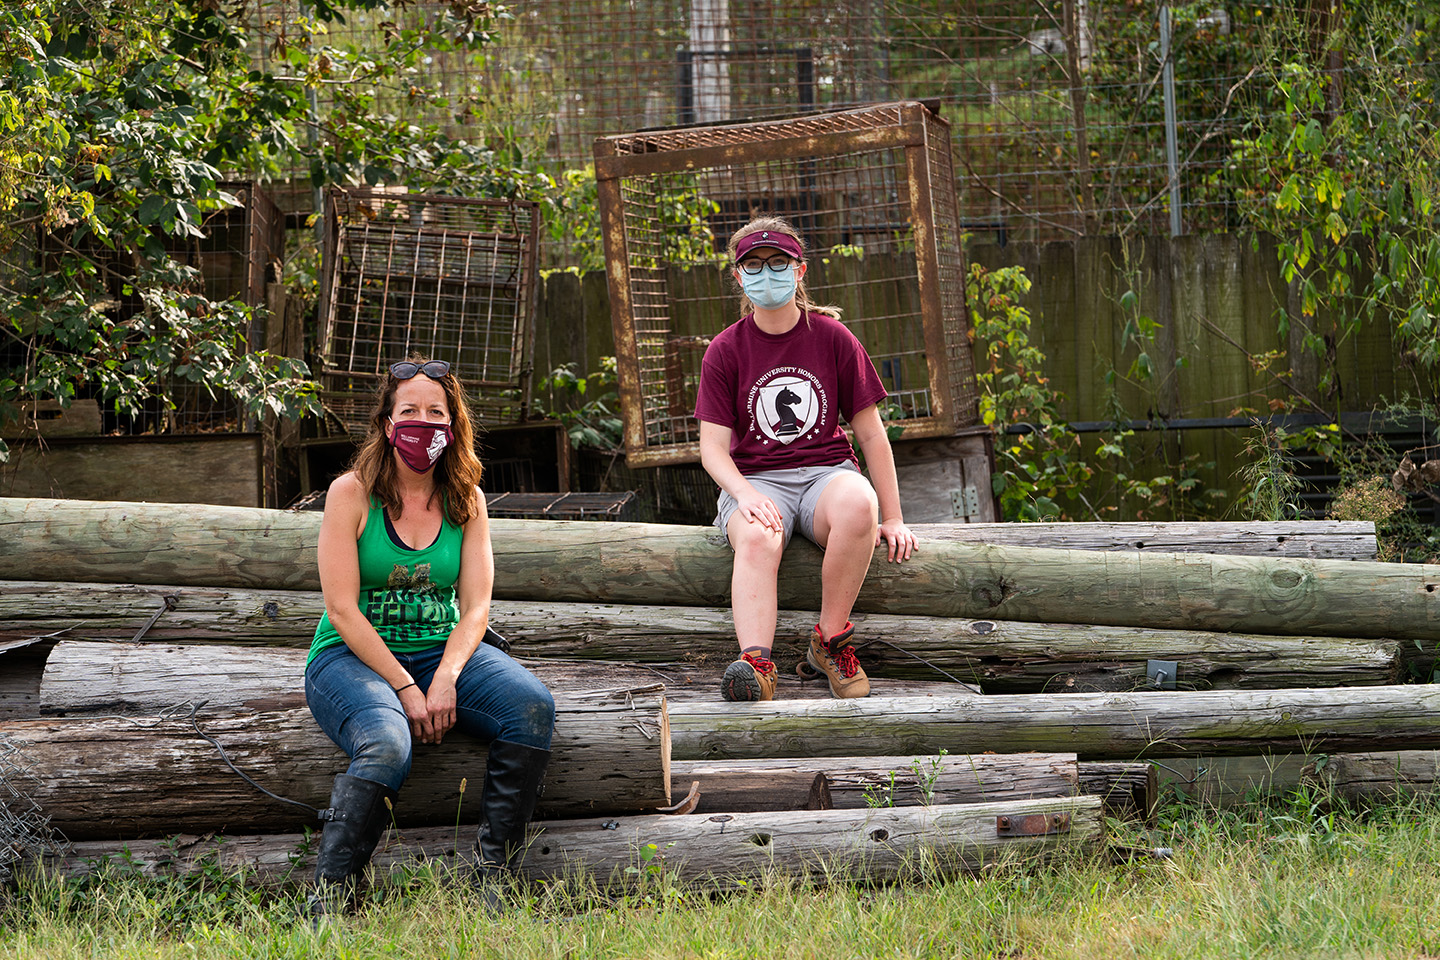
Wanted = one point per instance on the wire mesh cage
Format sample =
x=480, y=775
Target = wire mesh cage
x=238, y=250
x=872, y=191
x=450, y=277
x=1024, y=83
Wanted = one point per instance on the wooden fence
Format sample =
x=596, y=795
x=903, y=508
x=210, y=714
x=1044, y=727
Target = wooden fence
x=1218, y=301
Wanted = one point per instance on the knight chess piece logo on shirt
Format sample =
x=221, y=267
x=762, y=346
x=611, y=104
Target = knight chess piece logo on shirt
x=786, y=405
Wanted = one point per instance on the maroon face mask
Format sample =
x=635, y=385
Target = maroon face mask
x=420, y=443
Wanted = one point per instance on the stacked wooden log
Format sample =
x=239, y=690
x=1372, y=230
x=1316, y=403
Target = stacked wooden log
x=189, y=620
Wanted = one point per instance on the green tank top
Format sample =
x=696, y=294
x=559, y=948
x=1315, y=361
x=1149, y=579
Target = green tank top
x=407, y=595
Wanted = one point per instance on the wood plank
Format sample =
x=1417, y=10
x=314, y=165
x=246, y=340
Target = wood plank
x=50, y=419
x=217, y=469
x=1380, y=777
x=641, y=563
x=1223, y=782
x=599, y=334
x=871, y=844
x=1320, y=539
x=1129, y=791
x=855, y=783
x=1069, y=359
x=119, y=777
x=1000, y=655
x=560, y=330
x=1231, y=384
x=81, y=678
x=1192, y=341
x=1095, y=726
x=1366, y=777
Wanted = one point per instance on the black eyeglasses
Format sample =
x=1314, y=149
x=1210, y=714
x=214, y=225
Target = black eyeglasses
x=776, y=264
x=405, y=369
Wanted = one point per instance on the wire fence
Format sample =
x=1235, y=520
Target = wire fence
x=1057, y=108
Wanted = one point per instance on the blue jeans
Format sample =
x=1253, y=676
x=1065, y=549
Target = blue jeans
x=496, y=699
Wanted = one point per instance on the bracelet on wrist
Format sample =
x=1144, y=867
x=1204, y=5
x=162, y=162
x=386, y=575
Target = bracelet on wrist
x=407, y=686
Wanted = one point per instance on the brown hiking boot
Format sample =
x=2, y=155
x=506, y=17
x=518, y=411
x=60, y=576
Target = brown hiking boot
x=836, y=659
x=752, y=677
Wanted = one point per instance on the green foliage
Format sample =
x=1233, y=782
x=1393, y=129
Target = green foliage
x=591, y=404
x=926, y=773
x=1037, y=469
x=1345, y=171
x=881, y=795
x=681, y=222
x=118, y=124
x=575, y=219
x=1269, y=487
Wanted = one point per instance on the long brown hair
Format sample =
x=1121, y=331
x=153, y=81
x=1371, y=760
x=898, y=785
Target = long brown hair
x=802, y=296
x=457, y=472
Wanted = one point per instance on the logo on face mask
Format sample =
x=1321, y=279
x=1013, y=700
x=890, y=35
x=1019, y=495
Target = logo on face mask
x=785, y=405
x=420, y=443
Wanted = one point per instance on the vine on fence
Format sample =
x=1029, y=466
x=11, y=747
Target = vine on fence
x=1039, y=468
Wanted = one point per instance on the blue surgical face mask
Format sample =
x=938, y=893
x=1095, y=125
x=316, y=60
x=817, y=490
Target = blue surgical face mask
x=769, y=289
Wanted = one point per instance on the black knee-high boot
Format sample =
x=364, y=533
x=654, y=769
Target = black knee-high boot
x=354, y=822
x=513, y=774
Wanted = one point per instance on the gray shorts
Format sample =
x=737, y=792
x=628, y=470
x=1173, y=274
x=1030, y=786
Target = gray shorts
x=795, y=491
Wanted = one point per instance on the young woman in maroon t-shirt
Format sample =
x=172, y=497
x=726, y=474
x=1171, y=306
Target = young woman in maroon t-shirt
x=774, y=388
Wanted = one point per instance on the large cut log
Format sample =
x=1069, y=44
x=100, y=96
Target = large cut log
x=873, y=844
x=1378, y=777
x=1004, y=656
x=643, y=563
x=119, y=777
x=145, y=678
x=1317, y=539
x=1130, y=791
x=1367, y=777
x=851, y=783
x=1094, y=726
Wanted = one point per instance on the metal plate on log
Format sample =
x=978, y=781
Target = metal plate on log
x=1032, y=825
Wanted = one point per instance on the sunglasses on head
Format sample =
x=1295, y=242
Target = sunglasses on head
x=405, y=369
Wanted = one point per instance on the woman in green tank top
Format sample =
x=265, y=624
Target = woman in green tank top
x=407, y=569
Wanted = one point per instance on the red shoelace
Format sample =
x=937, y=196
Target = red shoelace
x=765, y=666
x=845, y=660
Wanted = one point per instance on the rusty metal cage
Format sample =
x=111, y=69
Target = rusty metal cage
x=872, y=190
x=451, y=277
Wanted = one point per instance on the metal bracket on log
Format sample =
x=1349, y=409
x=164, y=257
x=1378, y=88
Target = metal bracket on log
x=1032, y=825
x=1161, y=673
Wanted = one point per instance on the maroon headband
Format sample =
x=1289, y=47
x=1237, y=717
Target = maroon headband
x=768, y=238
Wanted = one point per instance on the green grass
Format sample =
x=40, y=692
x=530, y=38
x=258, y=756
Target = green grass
x=1288, y=879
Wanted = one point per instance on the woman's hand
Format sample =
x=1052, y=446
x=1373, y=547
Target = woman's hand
x=417, y=711
x=898, y=539
x=441, y=703
x=755, y=507
x=432, y=713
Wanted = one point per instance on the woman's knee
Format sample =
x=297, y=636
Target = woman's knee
x=533, y=719
x=382, y=747
x=754, y=542
x=850, y=503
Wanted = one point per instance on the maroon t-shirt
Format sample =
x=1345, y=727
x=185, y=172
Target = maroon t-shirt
x=783, y=397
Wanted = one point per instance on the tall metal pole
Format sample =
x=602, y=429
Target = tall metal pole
x=1172, y=155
